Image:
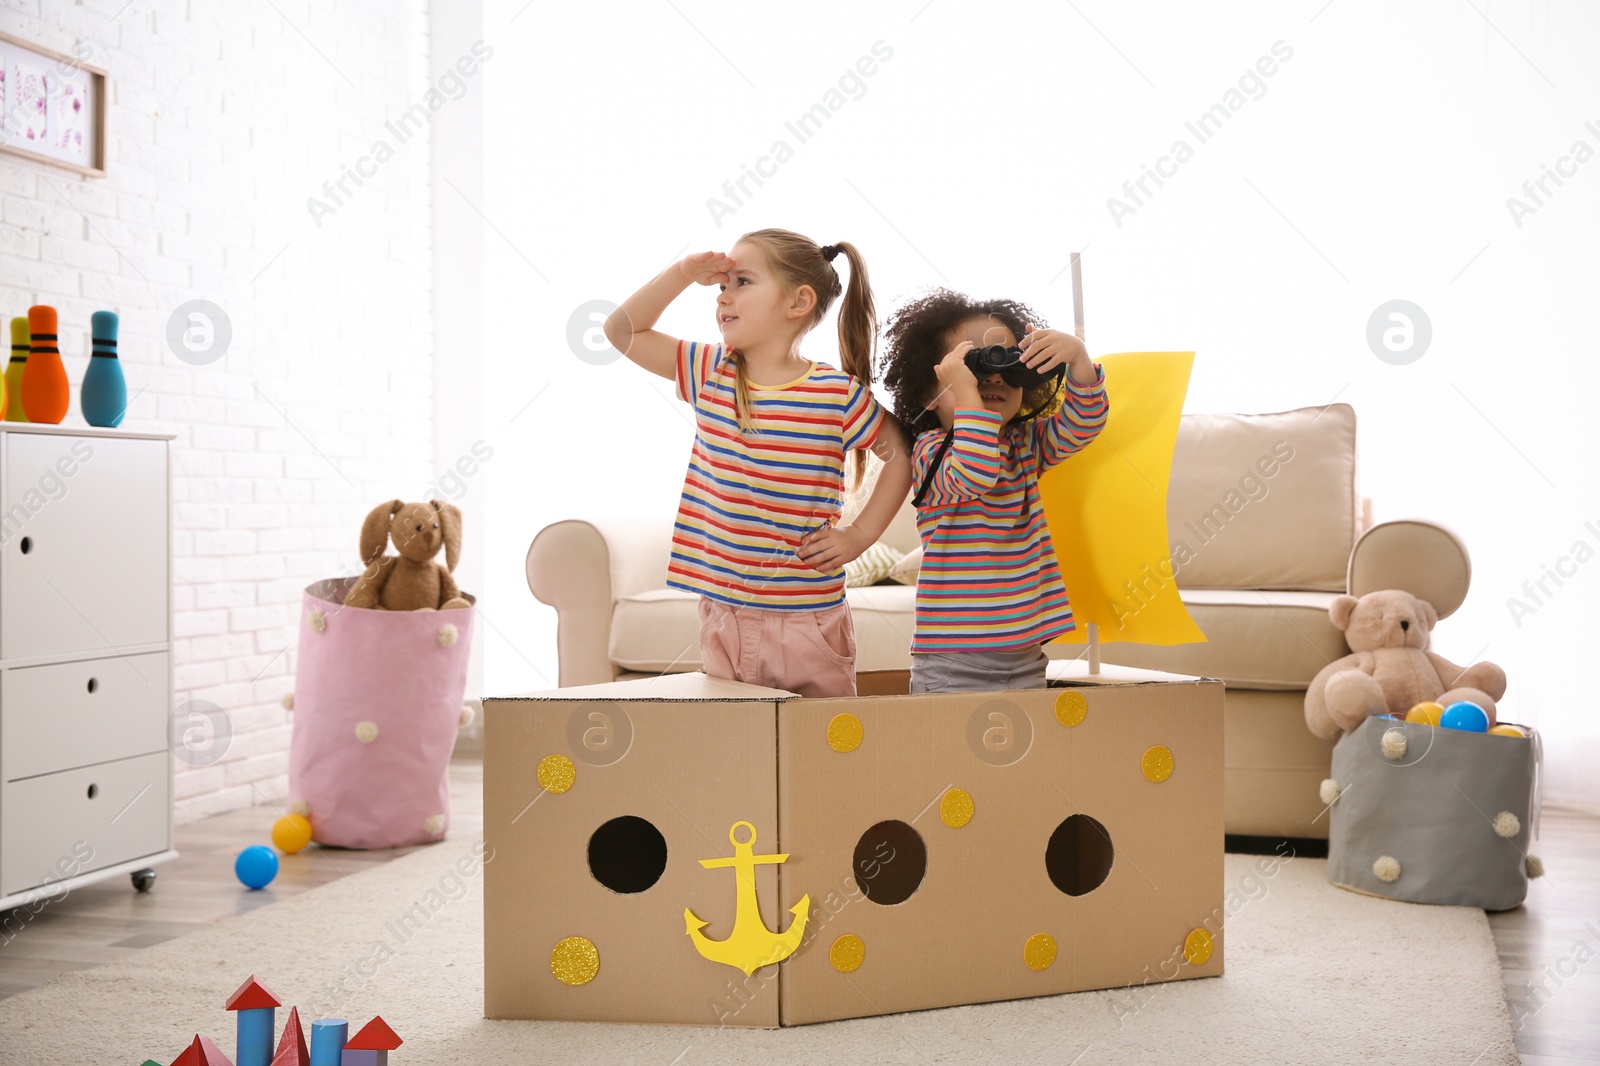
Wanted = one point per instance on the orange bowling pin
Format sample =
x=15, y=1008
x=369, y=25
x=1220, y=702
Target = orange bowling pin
x=45, y=392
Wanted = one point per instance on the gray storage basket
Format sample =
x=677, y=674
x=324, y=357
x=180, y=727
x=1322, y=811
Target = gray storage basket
x=1445, y=816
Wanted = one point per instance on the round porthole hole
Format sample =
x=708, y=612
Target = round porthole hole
x=890, y=862
x=627, y=854
x=1079, y=855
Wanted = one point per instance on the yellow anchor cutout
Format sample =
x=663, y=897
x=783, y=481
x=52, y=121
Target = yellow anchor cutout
x=752, y=945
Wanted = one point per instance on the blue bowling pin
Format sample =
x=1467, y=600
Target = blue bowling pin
x=105, y=392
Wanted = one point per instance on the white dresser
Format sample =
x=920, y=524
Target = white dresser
x=85, y=658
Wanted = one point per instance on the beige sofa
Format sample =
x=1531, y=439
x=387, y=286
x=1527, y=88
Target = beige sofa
x=1264, y=519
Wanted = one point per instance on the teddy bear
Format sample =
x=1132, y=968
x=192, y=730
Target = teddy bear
x=1389, y=669
x=410, y=581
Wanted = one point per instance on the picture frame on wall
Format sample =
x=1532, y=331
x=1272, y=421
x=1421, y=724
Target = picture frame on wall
x=52, y=106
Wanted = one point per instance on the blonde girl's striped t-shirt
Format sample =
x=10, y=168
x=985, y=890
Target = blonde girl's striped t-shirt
x=749, y=496
x=989, y=579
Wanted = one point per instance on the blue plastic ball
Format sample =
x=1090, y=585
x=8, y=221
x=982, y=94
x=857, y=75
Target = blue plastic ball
x=1466, y=716
x=256, y=866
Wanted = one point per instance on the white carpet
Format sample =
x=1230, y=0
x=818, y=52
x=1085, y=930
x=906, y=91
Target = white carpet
x=1314, y=975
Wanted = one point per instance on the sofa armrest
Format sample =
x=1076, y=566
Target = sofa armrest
x=1424, y=558
x=580, y=567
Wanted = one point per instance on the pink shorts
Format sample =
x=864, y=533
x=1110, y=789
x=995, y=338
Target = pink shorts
x=812, y=653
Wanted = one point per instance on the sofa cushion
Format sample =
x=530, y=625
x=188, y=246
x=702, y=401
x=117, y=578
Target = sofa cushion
x=1264, y=501
x=1255, y=639
x=659, y=631
x=901, y=533
x=906, y=570
x=872, y=566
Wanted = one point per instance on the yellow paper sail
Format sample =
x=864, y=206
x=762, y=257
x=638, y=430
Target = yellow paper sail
x=1107, y=508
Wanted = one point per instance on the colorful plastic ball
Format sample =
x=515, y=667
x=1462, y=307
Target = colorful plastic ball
x=1507, y=731
x=256, y=866
x=1426, y=711
x=291, y=833
x=1466, y=716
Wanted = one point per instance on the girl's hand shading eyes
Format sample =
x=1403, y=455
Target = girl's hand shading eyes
x=707, y=268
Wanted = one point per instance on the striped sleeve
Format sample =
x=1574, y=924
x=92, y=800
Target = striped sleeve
x=970, y=466
x=863, y=416
x=1078, y=421
x=697, y=361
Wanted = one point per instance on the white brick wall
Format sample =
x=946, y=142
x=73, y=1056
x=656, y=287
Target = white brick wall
x=223, y=118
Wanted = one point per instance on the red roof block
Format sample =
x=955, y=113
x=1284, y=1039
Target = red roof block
x=202, y=1053
x=252, y=995
x=375, y=1036
x=292, y=1046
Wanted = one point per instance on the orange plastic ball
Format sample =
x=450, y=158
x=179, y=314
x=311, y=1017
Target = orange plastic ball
x=291, y=833
x=1426, y=711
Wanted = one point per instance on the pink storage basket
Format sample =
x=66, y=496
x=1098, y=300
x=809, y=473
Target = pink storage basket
x=377, y=704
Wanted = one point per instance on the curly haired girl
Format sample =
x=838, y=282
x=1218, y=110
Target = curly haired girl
x=989, y=592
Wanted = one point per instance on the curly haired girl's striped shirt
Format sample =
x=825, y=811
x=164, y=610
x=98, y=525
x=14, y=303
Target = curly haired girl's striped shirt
x=749, y=497
x=989, y=579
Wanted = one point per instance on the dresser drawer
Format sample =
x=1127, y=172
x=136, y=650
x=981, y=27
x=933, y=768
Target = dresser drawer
x=74, y=714
x=83, y=544
x=89, y=818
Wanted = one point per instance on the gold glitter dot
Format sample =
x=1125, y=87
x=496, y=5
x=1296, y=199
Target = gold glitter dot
x=956, y=808
x=1157, y=763
x=1197, y=946
x=575, y=961
x=847, y=953
x=844, y=732
x=1040, y=951
x=556, y=773
x=1071, y=708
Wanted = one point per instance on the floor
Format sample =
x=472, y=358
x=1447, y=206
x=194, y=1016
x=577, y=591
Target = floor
x=108, y=921
x=1547, y=946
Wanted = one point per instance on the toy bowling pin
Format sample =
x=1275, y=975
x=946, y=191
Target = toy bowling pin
x=19, y=360
x=105, y=393
x=45, y=392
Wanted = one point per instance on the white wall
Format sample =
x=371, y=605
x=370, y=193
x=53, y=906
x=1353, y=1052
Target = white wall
x=1373, y=164
x=223, y=120
x=460, y=450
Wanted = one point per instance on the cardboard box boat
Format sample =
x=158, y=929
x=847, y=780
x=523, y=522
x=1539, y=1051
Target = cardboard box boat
x=899, y=852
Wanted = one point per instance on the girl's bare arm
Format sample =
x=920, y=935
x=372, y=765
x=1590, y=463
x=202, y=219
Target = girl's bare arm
x=631, y=327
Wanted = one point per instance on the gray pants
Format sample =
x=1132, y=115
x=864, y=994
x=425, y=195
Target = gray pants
x=978, y=671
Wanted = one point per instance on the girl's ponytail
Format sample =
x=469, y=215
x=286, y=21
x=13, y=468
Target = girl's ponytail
x=798, y=260
x=858, y=333
x=858, y=318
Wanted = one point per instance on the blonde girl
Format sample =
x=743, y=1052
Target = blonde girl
x=756, y=534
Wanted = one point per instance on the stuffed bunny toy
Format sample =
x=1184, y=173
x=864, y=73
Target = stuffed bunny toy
x=410, y=581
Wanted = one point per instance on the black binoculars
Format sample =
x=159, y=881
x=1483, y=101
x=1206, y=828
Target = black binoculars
x=1007, y=362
